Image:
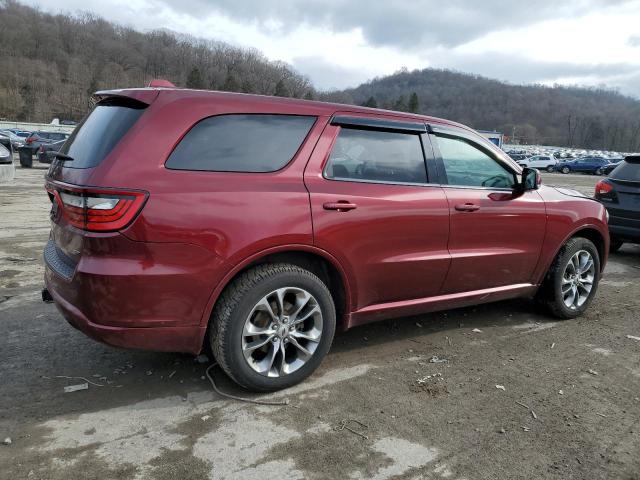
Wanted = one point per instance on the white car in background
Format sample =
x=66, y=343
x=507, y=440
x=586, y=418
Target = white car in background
x=541, y=162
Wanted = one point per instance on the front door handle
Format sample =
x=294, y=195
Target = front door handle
x=341, y=206
x=467, y=207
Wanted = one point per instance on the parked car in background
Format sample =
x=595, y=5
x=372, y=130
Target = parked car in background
x=322, y=216
x=41, y=137
x=5, y=155
x=5, y=141
x=613, y=163
x=541, y=162
x=593, y=165
x=517, y=156
x=620, y=194
x=47, y=152
x=17, y=137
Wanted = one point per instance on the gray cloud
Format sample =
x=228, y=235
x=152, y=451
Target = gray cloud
x=634, y=41
x=328, y=76
x=408, y=24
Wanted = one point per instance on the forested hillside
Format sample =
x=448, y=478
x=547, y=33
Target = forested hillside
x=563, y=116
x=50, y=64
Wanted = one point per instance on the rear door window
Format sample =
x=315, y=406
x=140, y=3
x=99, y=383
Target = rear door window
x=376, y=156
x=241, y=143
x=100, y=131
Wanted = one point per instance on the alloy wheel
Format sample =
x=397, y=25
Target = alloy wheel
x=577, y=279
x=282, y=332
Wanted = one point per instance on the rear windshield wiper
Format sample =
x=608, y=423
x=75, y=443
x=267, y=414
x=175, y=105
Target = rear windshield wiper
x=61, y=156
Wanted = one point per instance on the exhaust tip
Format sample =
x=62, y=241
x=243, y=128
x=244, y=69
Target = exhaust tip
x=46, y=296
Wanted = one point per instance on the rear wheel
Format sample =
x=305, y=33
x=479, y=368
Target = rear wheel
x=272, y=326
x=615, y=245
x=572, y=280
x=550, y=168
x=565, y=170
x=599, y=171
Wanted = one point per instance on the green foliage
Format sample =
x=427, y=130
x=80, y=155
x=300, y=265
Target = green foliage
x=281, y=89
x=414, y=103
x=371, y=103
x=194, y=79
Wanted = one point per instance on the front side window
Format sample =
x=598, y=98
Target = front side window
x=241, y=143
x=376, y=156
x=465, y=164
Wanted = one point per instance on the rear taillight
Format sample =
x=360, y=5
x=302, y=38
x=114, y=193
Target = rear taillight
x=29, y=140
x=99, y=210
x=603, y=188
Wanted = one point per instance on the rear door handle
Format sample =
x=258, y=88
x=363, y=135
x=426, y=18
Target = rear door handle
x=467, y=207
x=341, y=206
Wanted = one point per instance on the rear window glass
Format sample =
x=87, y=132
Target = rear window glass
x=627, y=171
x=100, y=131
x=241, y=143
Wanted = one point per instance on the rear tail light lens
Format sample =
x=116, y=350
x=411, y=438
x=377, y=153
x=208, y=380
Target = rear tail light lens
x=29, y=140
x=603, y=188
x=98, y=210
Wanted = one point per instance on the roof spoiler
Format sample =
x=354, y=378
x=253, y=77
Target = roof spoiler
x=144, y=95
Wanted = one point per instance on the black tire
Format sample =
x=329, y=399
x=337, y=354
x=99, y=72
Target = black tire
x=615, y=244
x=550, y=168
x=235, y=305
x=599, y=171
x=550, y=293
x=565, y=170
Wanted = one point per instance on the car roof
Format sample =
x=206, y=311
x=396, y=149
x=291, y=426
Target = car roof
x=302, y=107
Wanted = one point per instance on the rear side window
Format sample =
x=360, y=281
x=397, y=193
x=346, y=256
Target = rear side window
x=100, y=131
x=241, y=143
x=629, y=171
x=376, y=156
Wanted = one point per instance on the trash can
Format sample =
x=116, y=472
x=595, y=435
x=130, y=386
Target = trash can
x=26, y=157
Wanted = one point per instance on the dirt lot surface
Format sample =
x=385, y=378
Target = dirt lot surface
x=519, y=394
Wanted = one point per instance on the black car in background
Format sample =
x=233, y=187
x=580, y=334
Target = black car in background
x=46, y=153
x=41, y=137
x=620, y=194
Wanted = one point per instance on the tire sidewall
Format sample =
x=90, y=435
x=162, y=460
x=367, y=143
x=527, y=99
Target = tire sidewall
x=565, y=257
x=244, y=374
x=565, y=170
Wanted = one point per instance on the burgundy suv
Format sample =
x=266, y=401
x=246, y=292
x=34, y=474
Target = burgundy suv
x=259, y=225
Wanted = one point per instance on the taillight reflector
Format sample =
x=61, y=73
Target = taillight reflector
x=98, y=210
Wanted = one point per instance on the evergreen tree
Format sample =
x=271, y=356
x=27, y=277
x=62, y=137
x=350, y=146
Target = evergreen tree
x=194, y=79
x=371, y=102
x=401, y=104
x=231, y=84
x=281, y=89
x=414, y=103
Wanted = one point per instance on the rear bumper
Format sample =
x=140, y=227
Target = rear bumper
x=149, y=296
x=161, y=339
x=624, y=228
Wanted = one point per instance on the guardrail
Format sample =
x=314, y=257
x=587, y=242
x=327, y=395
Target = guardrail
x=32, y=127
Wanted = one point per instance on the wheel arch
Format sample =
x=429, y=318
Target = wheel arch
x=316, y=260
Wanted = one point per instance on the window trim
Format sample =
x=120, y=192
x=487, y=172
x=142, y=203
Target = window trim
x=414, y=133
x=368, y=123
x=286, y=165
x=468, y=138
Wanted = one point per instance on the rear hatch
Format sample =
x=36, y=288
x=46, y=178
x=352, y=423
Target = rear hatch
x=79, y=208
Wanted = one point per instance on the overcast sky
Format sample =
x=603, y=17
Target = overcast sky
x=341, y=43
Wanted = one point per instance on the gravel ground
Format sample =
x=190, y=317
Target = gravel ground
x=519, y=394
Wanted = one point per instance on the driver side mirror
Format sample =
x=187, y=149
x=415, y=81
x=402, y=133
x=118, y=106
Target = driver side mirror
x=531, y=179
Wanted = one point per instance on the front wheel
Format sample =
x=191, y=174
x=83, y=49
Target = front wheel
x=599, y=171
x=272, y=326
x=572, y=280
x=565, y=170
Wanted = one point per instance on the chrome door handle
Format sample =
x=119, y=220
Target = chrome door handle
x=467, y=207
x=339, y=206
